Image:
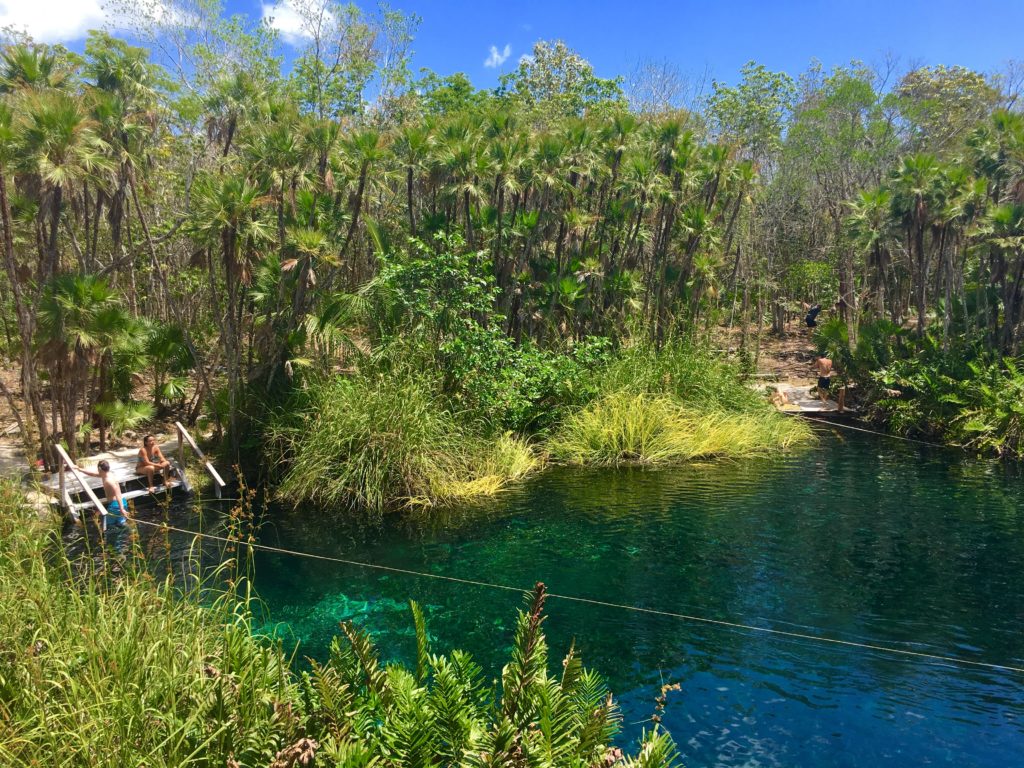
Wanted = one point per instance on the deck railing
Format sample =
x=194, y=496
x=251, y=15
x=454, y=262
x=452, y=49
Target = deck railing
x=66, y=462
x=185, y=437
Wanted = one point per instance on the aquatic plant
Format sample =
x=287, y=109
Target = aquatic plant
x=98, y=669
x=375, y=442
x=625, y=427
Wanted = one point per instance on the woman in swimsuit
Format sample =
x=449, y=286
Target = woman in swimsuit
x=151, y=461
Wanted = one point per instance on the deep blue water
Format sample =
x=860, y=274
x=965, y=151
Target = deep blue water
x=858, y=538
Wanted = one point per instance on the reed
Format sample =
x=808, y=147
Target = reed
x=378, y=443
x=626, y=427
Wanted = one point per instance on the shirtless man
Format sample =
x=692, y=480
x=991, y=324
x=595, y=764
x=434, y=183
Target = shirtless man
x=116, y=506
x=824, y=368
x=152, y=460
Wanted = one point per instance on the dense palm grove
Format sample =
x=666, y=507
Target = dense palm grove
x=191, y=216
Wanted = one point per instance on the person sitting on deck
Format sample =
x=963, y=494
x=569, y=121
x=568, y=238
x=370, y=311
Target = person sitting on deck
x=824, y=368
x=116, y=506
x=151, y=461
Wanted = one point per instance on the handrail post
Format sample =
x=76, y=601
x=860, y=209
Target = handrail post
x=181, y=445
x=66, y=461
x=218, y=481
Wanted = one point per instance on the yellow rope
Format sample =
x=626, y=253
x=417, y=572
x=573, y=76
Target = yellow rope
x=589, y=601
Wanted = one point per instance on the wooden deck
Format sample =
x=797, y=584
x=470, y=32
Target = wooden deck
x=122, y=466
x=797, y=397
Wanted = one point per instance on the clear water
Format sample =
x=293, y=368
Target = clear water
x=858, y=538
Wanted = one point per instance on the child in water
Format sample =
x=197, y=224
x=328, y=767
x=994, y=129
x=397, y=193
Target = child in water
x=116, y=507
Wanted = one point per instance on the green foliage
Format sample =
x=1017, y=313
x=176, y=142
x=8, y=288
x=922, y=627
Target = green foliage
x=655, y=429
x=112, y=671
x=690, y=374
x=753, y=113
x=556, y=82
x=378, y=442
x=668, y=406
x=437, y=301
x=960, y=396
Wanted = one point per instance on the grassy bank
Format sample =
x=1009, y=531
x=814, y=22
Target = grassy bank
x=391, y=438
x=672, y=405
x=625, y=428
x=98, y=671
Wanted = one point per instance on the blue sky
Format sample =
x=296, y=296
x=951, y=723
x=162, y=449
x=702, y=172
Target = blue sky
x=456, y=35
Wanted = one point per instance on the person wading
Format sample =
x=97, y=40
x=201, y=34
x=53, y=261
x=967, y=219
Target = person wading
x=116, y=506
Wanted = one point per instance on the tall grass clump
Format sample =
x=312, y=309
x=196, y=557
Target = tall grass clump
x=98, y=672
x=693, y=375
x=376, y=443
x=672, y=405
x=102, y=672
x=625, y=427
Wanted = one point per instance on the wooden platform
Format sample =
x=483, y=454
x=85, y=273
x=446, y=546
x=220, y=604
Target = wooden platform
x=122, y=466
x=797, y=398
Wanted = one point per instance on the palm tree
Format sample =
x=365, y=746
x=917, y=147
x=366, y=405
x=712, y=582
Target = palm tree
x=79, y=321
x=31, y=67
x=869, y=226
x=231, y=102
x=362, y=149
x=412, y=147
x=62, y=149
x=912, y=205
x=1005, y=230
x=9, y=149
x=227, y=212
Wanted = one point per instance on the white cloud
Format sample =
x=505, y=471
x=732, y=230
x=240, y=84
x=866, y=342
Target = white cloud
x=526, y=58
x=284, y=17
x=497, y=58
x=53, y=21
x=64, y=21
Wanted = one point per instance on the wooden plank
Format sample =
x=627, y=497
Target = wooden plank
x=136, y=494
x=81, y=480
x=192, y=443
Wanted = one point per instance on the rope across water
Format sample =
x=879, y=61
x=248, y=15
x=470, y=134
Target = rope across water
x=589, y=601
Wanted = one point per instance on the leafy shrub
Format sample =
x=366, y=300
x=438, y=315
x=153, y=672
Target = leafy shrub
x=435, y=303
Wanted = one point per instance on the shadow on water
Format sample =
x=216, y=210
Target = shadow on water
x=859, y=539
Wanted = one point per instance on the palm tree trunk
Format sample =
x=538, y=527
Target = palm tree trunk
x=409, y=203
x=29, y=382
x=175, y=309
x=52, y=252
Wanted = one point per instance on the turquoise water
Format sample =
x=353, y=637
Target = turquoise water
x=859, y=539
